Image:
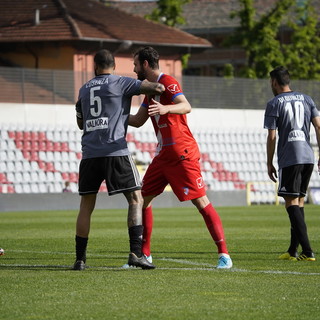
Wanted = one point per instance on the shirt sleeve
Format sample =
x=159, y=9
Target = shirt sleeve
x=270, y=117
x=130, y=86
x=78, y=109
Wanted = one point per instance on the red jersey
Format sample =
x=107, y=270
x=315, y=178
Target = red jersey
x=175, y=140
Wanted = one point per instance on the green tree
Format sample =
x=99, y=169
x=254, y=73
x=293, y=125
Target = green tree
x=259, y=37
x=168, y=12
x=302, y=54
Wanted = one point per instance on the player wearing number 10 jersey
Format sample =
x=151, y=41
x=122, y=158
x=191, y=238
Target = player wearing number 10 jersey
x=177, y=158
x=291, y=113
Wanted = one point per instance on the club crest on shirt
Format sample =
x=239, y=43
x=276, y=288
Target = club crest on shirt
x=173, y=88
x=200, y=183
x=186, y=191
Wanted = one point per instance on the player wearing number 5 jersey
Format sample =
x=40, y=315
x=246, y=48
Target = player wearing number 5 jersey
x=103, y=110
x=291, y=113
x=177, y=156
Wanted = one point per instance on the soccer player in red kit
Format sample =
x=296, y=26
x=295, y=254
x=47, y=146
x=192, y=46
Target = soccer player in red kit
x=177, y=155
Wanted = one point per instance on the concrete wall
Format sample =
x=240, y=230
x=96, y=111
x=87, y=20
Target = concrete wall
x=71, y=201
x=20, y=114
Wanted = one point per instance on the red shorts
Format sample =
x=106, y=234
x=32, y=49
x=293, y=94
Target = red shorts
x=184, y=178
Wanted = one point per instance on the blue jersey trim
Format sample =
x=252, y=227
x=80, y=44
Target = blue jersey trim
x=177, y=94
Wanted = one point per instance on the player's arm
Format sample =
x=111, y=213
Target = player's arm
x=79, y=115
x=138, y=119
x=271, y=146
x=316, y=124
x=180, y=106
x=151, y=88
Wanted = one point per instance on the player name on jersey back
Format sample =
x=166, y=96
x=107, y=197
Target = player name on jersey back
x=97, y=124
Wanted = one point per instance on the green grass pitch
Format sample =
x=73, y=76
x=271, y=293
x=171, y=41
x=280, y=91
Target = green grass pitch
x=36, y=281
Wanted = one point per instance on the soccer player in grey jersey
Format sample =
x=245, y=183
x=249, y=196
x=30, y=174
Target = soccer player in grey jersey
x=102, y=111
x=291, y=113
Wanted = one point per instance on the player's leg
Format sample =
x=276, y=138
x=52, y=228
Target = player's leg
x=213, y=222
x=147, y=221
x=215, y=227
x=298, y=224
x=306, y=173
x=122, y=174
x=135, y=230
x=190, y=186
x=83, y=228
x=292, y=251
x=154, y=182
x=90, y=178
x=294, y=181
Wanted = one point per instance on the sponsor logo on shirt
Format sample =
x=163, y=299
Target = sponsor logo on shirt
x=200, y=183
x=296, y=135
x=97, y=124
x=173, y=88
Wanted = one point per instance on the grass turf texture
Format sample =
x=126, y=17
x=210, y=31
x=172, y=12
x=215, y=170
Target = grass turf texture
x=37, y=283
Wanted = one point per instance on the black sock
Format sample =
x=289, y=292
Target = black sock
x=81, y=248
x=135, y=239
x=299, y=228
x=294, y=242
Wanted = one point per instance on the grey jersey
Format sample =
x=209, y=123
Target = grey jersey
x=291, y=113
x=104, y=106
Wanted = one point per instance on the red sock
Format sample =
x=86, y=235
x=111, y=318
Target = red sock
x=214, y=225
x=147, y=221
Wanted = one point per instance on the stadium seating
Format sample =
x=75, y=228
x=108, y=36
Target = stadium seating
x=40, y=160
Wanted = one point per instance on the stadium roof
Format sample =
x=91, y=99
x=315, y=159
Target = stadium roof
x=202, y=14
x=88, y=21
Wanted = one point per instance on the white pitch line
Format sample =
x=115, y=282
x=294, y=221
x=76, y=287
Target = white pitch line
x=201, y=266
x=164, y=268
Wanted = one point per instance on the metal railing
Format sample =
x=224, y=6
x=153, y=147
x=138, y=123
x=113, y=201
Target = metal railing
x=22, y=85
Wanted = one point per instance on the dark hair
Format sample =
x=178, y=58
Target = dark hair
x=281, y=74
x=149, y=54
x=104, y=59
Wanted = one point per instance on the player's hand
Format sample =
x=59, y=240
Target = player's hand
x=272, y=172
x=156, y=108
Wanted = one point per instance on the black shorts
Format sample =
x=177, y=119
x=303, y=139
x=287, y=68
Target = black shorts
x=294, y=180
x=120, y=173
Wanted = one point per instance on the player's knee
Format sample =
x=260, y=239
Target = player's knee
x=135, y=198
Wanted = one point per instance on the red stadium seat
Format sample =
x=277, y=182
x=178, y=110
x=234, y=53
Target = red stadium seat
x=130, y=137
x=49, y=167
x=57, y=146
x=34, y=156
x=19, y=144
x=34, y=135
x=49, y=146
x=10, y=189
x=42, y=136
x=42, y=165
x=12, y=134
x=65, y=176
x=64, y=147
x=103, y=187
x=27, y=145
x=3, y=178
x=42, y=145
x=26, y=135
x=19, y=135
x=73, y=177
x=34, y=145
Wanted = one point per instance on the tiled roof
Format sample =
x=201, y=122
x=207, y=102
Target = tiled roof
x=84, y=20
x=202, y=14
